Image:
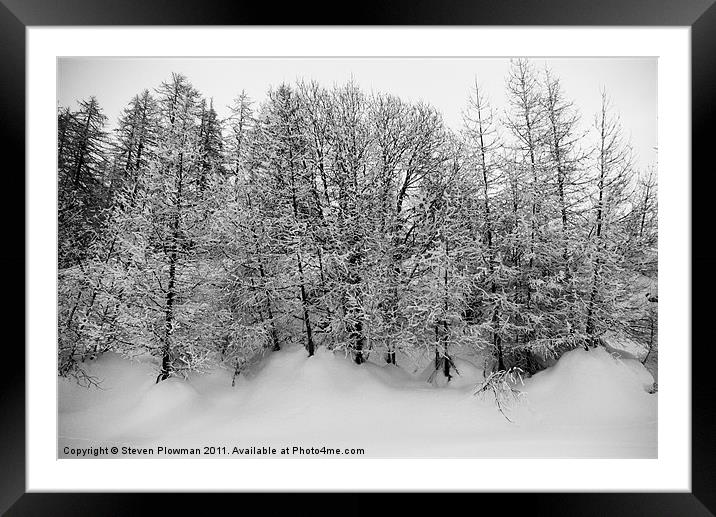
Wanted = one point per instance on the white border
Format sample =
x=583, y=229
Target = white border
x=671, y=471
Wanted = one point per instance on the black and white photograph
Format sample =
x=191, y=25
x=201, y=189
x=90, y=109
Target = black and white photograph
x=442, y=257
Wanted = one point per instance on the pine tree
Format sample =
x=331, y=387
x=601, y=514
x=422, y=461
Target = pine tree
x=240, y=123
x=164, y=243
x=278, y=161
x=566, y=183
x=485, y=146
x=450, y=254
x=613, y=179
x=136, y=139
x=211, y=144
x=84, y=242
x=82, y=163
x=526, y=122
x=350, y=196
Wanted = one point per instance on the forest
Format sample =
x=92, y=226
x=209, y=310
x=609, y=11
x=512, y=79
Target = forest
x=358, y=222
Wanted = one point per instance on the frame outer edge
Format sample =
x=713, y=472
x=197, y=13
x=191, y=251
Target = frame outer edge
x=12, y=148
x=703, y=133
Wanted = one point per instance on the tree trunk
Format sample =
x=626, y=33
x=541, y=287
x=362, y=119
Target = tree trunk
x=304, y=307
x=168, y=319
x=166, y=368
x=269, y=308
x=358, y=342
x=390, y=357
x=590, y=325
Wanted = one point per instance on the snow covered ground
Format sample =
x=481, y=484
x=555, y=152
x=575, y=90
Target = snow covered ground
x=588, y=405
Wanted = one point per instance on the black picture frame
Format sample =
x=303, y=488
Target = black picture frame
x=700, y=15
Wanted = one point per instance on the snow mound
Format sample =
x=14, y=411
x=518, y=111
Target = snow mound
x=592, y=386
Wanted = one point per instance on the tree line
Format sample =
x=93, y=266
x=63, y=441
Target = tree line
x=359, y=222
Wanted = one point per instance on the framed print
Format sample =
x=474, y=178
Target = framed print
x=427, y=252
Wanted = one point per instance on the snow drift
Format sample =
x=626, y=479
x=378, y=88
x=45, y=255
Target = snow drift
x=590, y=404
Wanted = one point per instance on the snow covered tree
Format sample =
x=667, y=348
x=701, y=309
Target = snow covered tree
x=82, y=162
x=248, y=279
x=136, y=138
x=278, y=163
x=240, y=123
x=486, y=162
x=450, y=251
x=564, y=161
x=163, y=240
x=211, y=143
x=565, y=185
x=526, y=122
x=409, y=140
x=613, y=178
x=83, y=237
x=350, y=193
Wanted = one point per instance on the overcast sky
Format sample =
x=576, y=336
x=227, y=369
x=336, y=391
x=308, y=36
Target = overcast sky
x=443, y=82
